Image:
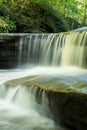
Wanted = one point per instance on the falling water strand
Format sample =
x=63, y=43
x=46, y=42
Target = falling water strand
x=21, y=42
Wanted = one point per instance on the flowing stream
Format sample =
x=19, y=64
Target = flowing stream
x=18, y=109
x=48, y=54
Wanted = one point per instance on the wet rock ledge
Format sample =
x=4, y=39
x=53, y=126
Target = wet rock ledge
x=67, y=98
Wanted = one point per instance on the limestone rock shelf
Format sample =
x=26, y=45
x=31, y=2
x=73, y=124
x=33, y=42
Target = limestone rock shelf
x=67, y=97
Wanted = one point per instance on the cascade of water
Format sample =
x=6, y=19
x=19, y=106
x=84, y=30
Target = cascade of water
x=54, y=49
x=17, y=111
x=75, y=50
x=43, y=49
x=21, y=96
x=24, y=105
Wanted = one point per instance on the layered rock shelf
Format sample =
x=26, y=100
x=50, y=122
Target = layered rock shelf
x=67, y=98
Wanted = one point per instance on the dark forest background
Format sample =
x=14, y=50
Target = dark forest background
x=42, y=16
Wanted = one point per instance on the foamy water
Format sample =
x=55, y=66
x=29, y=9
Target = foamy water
x=18, y=110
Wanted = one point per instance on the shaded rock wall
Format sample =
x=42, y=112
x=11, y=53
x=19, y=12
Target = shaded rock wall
x=8, y=50
x=69, y=109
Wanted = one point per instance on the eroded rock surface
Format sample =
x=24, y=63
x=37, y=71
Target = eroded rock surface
x=67, y=97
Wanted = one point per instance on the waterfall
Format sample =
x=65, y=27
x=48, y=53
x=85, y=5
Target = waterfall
x=29, y=95
x=41, y=49
x=20, y=110
x=54, y=49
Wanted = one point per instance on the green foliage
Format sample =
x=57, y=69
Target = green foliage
x=0, y=2
x=32, y=15
x=6, y=25
x=42, y=15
